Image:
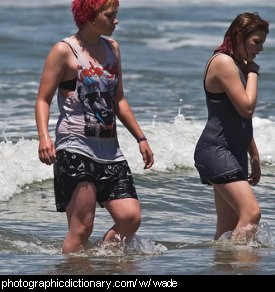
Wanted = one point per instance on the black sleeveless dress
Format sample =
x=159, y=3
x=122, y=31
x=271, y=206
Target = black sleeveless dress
x=221, y=151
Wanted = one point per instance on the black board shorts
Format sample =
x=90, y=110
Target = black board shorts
x=112, y=181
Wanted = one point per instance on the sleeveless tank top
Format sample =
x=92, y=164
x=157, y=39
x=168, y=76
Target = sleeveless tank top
x=87, y=120
x=225, y=122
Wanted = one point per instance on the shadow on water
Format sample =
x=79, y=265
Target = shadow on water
x=236, y=261
x=80, y=265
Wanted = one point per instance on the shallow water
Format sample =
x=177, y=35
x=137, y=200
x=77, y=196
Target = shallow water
x=164, y=48
x=175, y=236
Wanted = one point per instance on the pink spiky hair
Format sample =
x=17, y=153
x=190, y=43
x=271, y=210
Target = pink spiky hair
x=84, y=10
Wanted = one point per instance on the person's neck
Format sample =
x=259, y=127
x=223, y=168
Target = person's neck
x=87, y=39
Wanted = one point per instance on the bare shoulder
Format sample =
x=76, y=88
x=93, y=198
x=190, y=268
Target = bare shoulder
x=223, y=60
x=114, y=45
x=60, y=55
x=224, y=65
x=61, y=49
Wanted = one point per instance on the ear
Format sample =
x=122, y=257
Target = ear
x=92, y=22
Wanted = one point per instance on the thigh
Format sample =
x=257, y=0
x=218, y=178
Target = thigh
x=238, y=195
x=123, y=209
x=81, y=208
x=226, y=215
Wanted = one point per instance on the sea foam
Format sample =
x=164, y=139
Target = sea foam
x=173, y=145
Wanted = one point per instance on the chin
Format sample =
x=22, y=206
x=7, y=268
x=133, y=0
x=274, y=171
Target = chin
x=108, y=34
x=249, y=59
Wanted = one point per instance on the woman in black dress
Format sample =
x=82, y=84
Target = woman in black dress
x=230, y=84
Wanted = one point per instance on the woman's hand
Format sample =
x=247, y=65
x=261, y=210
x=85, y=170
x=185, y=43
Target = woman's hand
x=46, y=150
x=252, y=67
x=146, y=153
x=255, y=175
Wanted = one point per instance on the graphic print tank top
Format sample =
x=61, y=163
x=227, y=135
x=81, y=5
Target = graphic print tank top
x=87, y=120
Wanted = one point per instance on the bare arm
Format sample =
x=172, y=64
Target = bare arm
x=126, y=116
x=51, y=76
x=226, y=74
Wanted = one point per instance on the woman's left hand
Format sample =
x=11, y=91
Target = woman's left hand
x=146, y=153
x=255, y=175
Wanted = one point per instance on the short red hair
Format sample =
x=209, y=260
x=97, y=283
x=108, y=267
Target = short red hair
x=84, y=10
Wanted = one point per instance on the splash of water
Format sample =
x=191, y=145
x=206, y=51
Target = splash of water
x=261, y=238
x=180, y=107
x=154, y=121
x=119, y=248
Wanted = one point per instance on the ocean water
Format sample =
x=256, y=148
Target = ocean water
x=165, y=45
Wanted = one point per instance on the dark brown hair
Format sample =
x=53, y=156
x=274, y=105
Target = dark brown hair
x=245, y=24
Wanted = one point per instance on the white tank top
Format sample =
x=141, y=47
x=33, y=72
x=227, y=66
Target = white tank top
x=87, y=120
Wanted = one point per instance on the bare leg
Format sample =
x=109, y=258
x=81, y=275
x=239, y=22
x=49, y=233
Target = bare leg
x=80, y=213
x=127, y=218
x=227, y=218
x=241, y=198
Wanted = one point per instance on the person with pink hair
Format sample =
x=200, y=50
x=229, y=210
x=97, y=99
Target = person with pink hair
x=89, y=165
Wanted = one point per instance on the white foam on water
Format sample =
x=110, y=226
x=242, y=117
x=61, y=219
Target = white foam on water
x=20, y=166
x=173, y=42
x=173, y=145
x=264, y=130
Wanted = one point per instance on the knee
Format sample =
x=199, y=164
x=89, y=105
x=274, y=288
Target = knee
x=134, y=220
x=130, y=221
x=254, y=216
x=83, y=231
x=250, y=215
x=77, y=236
